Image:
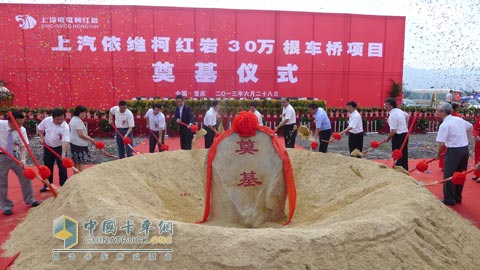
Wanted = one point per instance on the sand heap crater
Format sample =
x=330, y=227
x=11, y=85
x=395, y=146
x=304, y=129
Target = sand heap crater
x=351, y=214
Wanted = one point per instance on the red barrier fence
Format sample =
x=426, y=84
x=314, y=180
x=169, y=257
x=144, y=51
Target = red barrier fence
x=373, y=122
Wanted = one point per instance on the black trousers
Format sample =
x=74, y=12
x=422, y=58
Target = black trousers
x=49, y=160
x=324, y=137
x=456, y=160
x=397, y=142
x=289, y=135
x=355, y=141
x=209, y=137
x=152, y=141
x=186, y=137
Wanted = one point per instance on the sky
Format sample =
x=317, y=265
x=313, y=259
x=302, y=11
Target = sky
x=440, y=34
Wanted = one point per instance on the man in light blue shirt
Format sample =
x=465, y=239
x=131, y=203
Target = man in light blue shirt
x=322, y=127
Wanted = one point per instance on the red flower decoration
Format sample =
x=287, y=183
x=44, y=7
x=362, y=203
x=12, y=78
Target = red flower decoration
x=245, y=124
x=164, y=147
x=374, y=144
x=458, y=178
x=194, y=128
x=422, y=166
x=127, y=140
x=29, y=173
x=67, y=162
x=99, y=145
x=337, y=136
x=314, y=145
x=397, y=154
x=44, y=172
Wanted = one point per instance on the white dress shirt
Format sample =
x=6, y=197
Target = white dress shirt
x=449, y=97
x=355, y=122
x=155, y=122
x=54, y=135
x=454, y=132
x=289, y=113
x=259, y=116
x=397, y=120
x=5, y=129
x=122, y=120
x=210, y=118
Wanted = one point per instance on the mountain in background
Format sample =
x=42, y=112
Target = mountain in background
x=466, y=79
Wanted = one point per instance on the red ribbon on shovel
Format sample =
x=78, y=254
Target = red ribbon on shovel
x=41, y=169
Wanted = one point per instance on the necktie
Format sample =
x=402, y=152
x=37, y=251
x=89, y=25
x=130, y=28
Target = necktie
x=10, y=142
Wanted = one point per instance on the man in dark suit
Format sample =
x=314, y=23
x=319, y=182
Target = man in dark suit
x=184, y=114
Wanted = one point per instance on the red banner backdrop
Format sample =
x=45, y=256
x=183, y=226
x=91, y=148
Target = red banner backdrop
x=65, y=55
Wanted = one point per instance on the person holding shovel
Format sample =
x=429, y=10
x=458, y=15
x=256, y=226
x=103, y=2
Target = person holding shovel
x=398, y=122
x=79, y=139
x=184, y=117
x=55, y=134
x=124, y=123
x=156, y=123
x=209, y=122
x=10, y=141
x=355, y=128
x=323, y=127
x=289, y=119
x=453, y=134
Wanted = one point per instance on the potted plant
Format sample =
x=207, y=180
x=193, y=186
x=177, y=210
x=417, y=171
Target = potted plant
x=422, y=125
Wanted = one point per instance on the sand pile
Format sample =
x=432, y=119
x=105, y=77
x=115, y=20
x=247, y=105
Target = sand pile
x=351, y=214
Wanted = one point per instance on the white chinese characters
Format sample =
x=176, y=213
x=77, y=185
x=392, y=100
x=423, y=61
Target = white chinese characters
x=210, y=45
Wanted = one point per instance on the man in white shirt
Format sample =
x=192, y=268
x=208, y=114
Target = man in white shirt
x=124, y=122
x=156, y=123
x=355, y=128
x=453, y=134
x=449, y=97
x=323, y=127
x=9, y=141
x=289, y=119
x=253, y=109
x=397, y=120
x=55, y=133
x=210, y=123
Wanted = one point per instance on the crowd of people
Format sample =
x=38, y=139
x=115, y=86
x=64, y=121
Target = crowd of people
x=59, y=137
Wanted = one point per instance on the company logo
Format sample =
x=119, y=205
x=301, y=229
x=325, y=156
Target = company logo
x=66, y=229
x=26, y=21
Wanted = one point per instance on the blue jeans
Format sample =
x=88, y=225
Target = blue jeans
x=122, y=147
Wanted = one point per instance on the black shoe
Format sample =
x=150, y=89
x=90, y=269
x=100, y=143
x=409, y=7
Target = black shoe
x=475, y=178
x=7, y=212
x=458, y=201
x=451, y=203
x=44, y=189
x=36, y=203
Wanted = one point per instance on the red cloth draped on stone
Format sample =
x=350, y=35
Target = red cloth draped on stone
x=246, y=125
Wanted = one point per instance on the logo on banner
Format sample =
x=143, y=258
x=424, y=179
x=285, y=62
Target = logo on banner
x=26, y=21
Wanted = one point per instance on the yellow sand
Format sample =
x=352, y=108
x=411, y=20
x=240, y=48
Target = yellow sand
x=351, y=214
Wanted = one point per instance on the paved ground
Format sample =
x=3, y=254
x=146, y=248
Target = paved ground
x=420, y=146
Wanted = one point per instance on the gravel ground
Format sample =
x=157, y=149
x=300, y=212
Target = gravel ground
x=97, y=155
x=420, y=146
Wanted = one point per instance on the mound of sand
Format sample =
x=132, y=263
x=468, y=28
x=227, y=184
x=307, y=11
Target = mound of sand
x=351, y=214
